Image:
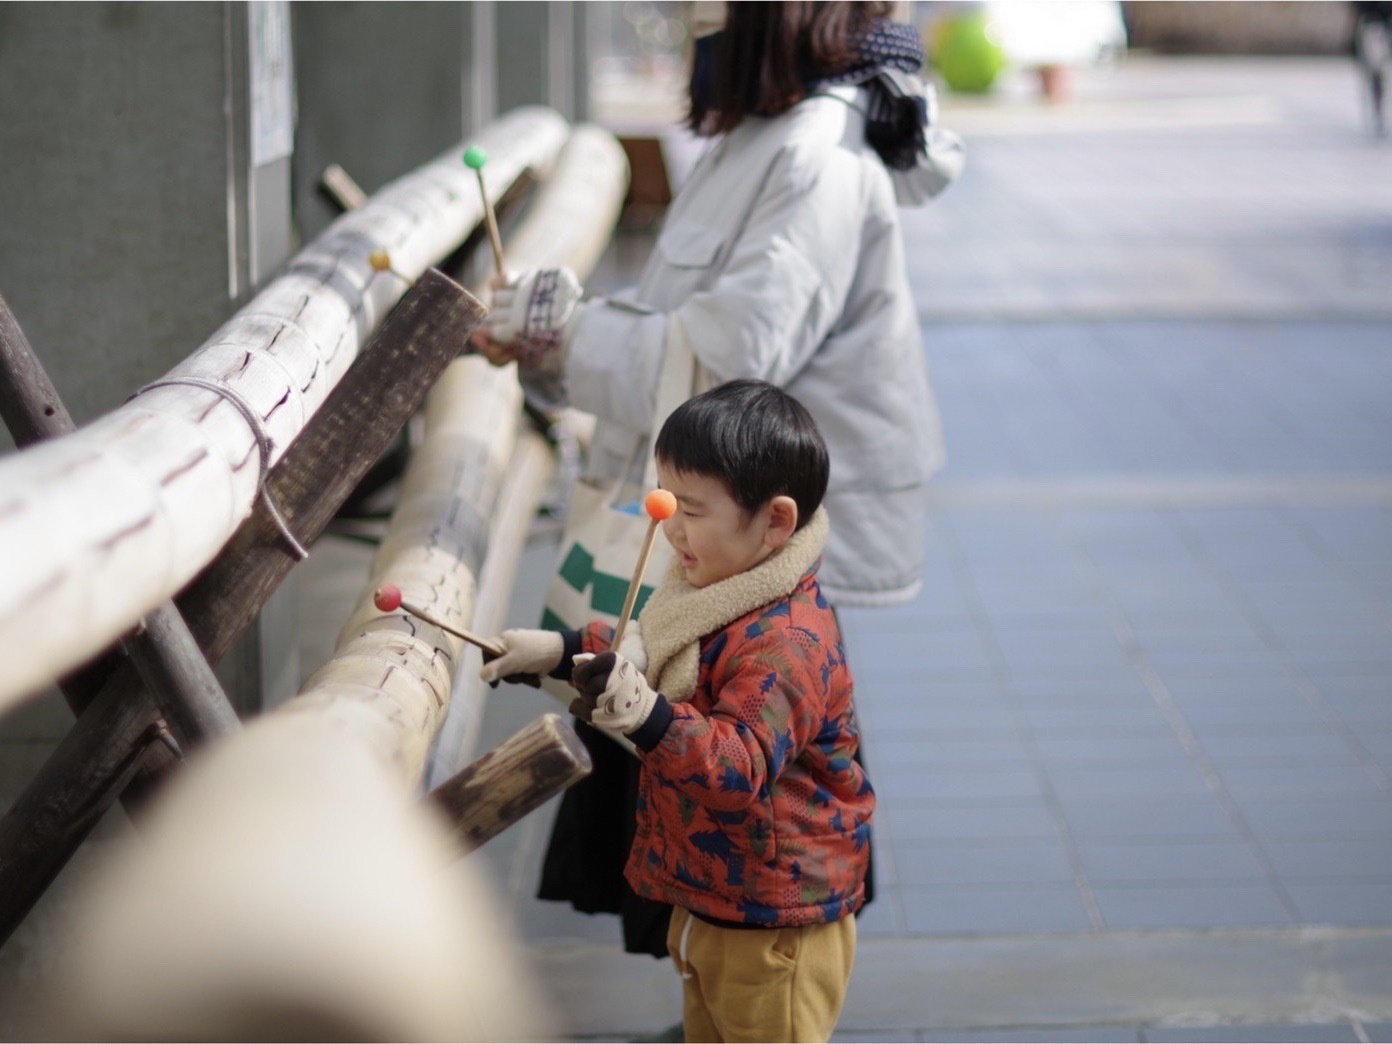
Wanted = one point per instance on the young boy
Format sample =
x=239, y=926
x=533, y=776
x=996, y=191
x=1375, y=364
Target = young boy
x=753, y=816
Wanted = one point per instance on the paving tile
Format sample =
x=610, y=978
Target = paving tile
x=1197, y=905
x=1108, y=746
x=1360, y=710
x=1243, y=741
x=1078, y=687
x=1140, y=780
x=949, y=710
x=882, y=917
x=1037, y=648
x=1336, y=857
x=1313, y=819
x=1002, y=748
x=1346, y=902
x=1377, y=741
x=874, y=1036
x=1180, y=862
x=1278, y=706
x=1174, y=648
x=1298, y=776
x=970, y=783
x=977, y=822
x=1279, y=1033
x=1119, y=716
x=1009, y=910
x=1112, y=819
x=1038, y=1035
x=947, y=863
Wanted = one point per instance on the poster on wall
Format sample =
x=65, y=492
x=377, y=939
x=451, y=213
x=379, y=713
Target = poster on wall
x=272, y=82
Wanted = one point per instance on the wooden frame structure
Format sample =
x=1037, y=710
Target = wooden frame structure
x=353, y=744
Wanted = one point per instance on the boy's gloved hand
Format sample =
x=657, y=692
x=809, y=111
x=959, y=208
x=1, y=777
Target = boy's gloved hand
x=527, y=655
x=530, y=312
x=614, y=695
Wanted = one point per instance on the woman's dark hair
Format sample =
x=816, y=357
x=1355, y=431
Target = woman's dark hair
x=756, y=439
x=766, y=54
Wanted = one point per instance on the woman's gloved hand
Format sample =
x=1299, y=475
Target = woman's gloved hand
x=530, y=313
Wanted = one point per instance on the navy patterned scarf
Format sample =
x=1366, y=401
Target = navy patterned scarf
x=891, y=54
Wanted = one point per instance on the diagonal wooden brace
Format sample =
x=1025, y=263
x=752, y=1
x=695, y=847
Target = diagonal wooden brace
x=354, y=426
x=163, y=651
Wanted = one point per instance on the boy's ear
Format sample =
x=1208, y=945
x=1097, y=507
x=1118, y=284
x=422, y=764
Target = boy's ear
x=782, y=521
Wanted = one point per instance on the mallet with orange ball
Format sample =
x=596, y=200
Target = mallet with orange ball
x=660, y=505
x=388, y=599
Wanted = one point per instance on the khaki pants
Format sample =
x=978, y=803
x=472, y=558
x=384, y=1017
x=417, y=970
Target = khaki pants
x=761, y=984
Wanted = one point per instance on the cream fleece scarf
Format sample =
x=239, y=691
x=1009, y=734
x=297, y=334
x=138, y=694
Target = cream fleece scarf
x=677, y=616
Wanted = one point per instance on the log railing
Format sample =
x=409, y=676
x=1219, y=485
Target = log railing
x=266, y=857
x=100, y=526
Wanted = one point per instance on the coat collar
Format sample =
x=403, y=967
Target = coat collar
x=678, y=616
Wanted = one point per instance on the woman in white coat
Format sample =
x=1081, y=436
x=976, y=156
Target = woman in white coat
x=780, y=259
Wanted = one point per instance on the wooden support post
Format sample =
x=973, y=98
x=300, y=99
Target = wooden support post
x=164, y=652
x=29, y=403
x=379, y=392
x=341, y=187
x=514, y=778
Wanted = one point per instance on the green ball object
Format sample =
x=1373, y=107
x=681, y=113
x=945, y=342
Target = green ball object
x=475, y=157
x=966, y=53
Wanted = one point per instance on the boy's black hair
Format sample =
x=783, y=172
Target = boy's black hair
x=756, y=439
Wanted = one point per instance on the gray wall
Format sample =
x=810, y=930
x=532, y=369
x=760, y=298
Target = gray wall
x=381, y=89
x=113, y=188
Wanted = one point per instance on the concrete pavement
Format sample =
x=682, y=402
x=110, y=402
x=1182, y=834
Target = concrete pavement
x=1133, y=742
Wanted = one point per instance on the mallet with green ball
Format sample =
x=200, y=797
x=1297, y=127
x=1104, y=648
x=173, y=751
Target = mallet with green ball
x=474, y=159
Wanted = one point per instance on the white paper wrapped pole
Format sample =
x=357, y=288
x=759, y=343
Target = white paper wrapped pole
x=289, y=887
x=98, y=527
x=569, y=223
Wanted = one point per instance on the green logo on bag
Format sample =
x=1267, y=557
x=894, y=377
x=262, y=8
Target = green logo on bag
x=606, y=592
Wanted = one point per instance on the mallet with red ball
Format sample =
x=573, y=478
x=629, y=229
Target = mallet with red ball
x=388, y=599
x=660, y=505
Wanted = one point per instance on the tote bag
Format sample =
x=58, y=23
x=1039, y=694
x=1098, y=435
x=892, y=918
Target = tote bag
x=606, y=525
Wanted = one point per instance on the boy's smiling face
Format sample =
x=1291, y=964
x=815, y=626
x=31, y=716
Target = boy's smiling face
x=711, y=533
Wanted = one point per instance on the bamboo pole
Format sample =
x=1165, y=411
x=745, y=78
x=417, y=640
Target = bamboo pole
x=99, y=526
x=569, y=222
x=288, y=886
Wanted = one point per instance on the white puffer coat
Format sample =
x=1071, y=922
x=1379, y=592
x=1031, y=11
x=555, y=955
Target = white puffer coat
x=782, y=259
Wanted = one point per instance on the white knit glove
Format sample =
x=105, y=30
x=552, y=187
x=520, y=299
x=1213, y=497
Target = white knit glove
x=634, y=650
x=614, y=695
x=530, y=312
x=525, y=652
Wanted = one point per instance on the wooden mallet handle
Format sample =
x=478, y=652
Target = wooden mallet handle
x=660, y=505
x=474, y=159
x=388, y=599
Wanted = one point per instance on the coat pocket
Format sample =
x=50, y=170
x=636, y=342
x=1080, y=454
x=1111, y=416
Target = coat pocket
x=690, y=246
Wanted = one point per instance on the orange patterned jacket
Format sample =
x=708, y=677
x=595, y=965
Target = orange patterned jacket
x=751, y=809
